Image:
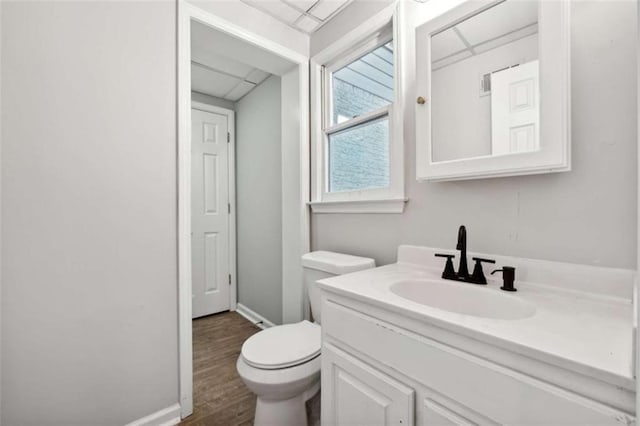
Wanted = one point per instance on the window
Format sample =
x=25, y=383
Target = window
x=358, y=134
x=357, y=149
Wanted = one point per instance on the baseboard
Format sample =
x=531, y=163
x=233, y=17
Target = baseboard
x=166, y=417
x=253, y=316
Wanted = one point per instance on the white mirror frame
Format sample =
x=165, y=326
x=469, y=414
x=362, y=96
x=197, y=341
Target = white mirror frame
x=554, y=154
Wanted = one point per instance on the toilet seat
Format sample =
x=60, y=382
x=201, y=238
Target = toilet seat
x=283, y=346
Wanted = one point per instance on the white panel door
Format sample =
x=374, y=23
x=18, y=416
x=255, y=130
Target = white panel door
x=515, y=109
x=354, y=394
x=209, y=212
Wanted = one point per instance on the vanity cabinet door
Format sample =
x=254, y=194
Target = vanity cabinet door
x=438, y=410
x=357, y=394
x=435, y=414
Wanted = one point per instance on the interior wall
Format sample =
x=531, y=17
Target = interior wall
x=584, y=216
x=213, y=101
x=89, y=306
x=259, y=199
x=1, y=132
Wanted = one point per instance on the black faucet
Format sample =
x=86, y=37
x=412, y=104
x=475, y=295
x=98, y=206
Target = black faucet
x=463, y=270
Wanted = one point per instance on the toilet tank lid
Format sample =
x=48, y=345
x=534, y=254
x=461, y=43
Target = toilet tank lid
x=336, y=263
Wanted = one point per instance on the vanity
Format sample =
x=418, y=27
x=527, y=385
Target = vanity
x=402, y=346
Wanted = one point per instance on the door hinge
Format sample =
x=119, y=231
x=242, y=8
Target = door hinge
x=228, y=137
x=229, y=208
x=229, y=279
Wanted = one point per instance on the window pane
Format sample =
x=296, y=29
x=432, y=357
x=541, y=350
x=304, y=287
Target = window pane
x=359, y=157
x=364, y=85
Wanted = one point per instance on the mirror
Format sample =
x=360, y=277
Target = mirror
x=487, y=111
x=484, y=73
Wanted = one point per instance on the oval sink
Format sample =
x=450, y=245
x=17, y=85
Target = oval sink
x=466, y=299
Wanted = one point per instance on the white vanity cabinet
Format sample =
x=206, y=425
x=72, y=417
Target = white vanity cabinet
x=359, y=394
x=383, y=368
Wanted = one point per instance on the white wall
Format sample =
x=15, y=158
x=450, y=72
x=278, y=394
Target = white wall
x=212, y=100
x=1, y=274
x=89, y=304
x=259, y=199
x=585, y=216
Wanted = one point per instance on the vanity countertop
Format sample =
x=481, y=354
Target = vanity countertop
x=584, y=332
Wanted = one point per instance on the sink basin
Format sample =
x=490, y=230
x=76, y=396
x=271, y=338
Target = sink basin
x=466, y=299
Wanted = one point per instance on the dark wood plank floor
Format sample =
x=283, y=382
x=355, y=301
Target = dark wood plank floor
x=219, y=395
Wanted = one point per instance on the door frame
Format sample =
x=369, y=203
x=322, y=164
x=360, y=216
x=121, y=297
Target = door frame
x=186, y=13
x=231, y=170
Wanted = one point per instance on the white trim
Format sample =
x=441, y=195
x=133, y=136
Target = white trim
x=636, y=304
x=186, y=13
x=375, y=40
x=185, y=348
x=395, y=205
x=305, y=174
x=367, y=34
x=231, y=160
x=242, y=33
x=166, y=417
x=254, y=317
x=554, y=154
x=356, y=35
x=364, y=118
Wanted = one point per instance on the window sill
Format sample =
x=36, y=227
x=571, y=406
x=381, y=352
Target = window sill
x=394, y=205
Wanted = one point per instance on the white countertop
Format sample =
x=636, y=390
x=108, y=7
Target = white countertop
x=584, y=332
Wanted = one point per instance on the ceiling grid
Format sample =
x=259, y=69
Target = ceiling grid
x=306, y=16
x=214, y=73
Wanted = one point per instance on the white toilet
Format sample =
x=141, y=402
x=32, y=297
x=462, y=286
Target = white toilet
x=281, y=364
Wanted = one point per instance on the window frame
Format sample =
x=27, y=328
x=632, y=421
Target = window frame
x=370, y=35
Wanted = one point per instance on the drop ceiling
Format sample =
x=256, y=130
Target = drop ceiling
x=228, y=68
x=303, y=15
x=499, y=25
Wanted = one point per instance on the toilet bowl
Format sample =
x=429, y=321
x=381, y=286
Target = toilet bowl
x=284, y=373
x=281, y=364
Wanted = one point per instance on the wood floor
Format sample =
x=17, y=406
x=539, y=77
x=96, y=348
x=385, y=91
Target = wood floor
x=219, y=395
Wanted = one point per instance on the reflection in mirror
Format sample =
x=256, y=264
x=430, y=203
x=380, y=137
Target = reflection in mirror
x=485, y=93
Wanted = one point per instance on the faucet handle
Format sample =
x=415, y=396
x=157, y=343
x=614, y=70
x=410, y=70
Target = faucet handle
x=480, y=259
x=478, y=274
x=449, y=272
x=449, y=256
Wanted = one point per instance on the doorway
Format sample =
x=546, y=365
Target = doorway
x=213, y=237
x=205, y=218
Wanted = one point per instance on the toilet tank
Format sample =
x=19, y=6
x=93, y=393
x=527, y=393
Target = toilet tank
x=318, y=265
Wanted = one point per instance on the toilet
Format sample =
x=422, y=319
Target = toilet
x=281, y=364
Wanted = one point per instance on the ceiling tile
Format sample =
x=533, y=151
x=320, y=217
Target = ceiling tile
x=325, y=8
x=306, y=24
x=499, y=20
x=276, y=8
x=451, y=60
x=222, y=64
x=239, y=91
x=302, y=4
x=203, y=51
x=257, y=76
x=445, y=43
x=210, y=82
